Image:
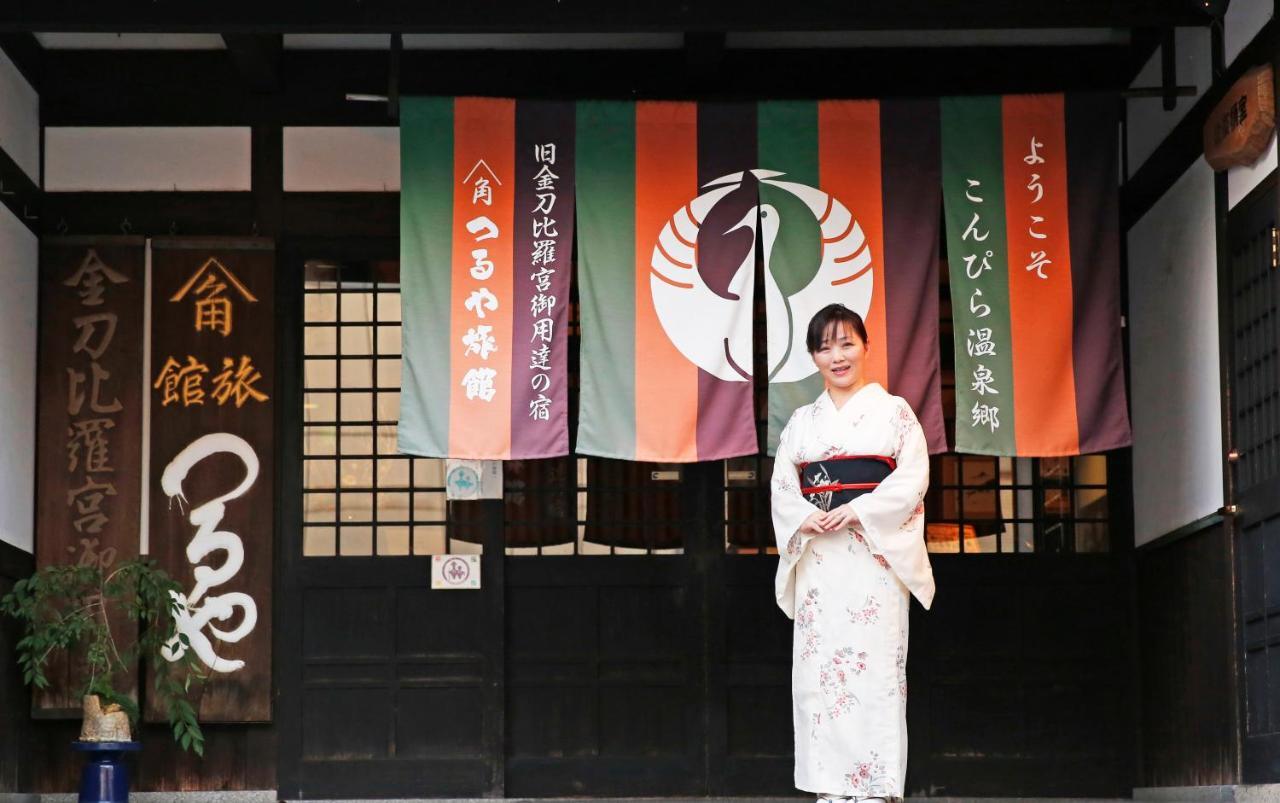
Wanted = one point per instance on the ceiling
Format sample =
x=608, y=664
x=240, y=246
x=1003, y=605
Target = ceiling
x=1029, y=37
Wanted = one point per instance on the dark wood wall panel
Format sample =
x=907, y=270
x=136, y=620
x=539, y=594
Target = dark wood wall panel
x=89, y=424
x=236, y=758
x=1019, y=678
x=1185, y=642
x=35, y=755
x=392, y=687
x=604, y=677
x=15, y=700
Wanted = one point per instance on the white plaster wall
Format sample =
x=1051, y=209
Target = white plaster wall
x=1244, y=19
x=73, y=40
x=109, y=159
x=19, y=257
x=329, y=159
x=1173, y=336
x=1148, y=122
x=19, y=119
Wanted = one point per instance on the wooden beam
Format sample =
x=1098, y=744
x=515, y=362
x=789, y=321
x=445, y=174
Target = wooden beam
x=149, y=213
x=203, y=87
x=24, y=50
x=506, y=16
x=257, y=58
x=19, y=193
x=1143, y=43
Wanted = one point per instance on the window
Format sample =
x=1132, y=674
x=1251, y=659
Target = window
x=362, y=498
x=990, y=504
x=975, y=504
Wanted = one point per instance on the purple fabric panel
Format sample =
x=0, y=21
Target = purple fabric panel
x=911, y=167
x=1092, y=123
x=726, y=144
x=539, y=124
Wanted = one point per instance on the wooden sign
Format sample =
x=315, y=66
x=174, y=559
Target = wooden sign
x=1239, y=128
x=89, y=420
x=212, y=385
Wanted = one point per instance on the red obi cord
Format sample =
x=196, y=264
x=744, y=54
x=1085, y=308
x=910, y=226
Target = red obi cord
x=847, y=486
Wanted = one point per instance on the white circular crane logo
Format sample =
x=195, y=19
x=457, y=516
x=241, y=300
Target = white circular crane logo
x=703, y=271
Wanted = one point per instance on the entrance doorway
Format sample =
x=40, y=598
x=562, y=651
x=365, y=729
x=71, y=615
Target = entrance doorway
x=625, y=640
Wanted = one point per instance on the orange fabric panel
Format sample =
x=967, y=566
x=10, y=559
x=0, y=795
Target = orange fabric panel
x=484, y=129
x=1040, y=301
x=666, y=382
x=849, y=170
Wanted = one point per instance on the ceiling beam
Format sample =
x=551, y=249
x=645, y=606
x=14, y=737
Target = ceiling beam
x=203, y=87
x=512, y=16
x=26, y=54
x=1143, y=44
x=19, y=193
x=257, y=58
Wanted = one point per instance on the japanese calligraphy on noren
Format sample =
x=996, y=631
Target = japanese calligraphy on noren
x=977, y=260
x=88, y=484
x=544, y=235
x=544, y=261
x=1038, y=259
x=477, y=345
x=211, y=382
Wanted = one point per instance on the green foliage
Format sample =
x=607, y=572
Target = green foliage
x=70, y=609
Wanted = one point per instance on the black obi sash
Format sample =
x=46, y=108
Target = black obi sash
x=832, y=482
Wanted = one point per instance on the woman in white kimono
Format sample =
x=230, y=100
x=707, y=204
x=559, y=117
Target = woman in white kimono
x=846, y=574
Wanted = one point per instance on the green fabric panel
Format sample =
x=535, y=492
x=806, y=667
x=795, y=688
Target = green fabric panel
x=787, y=138
x=973, y=149
x=426, y=222
x=606, y=199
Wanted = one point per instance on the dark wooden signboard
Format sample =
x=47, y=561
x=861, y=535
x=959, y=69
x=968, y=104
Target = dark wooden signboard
x=212, y=386
x=89, y=419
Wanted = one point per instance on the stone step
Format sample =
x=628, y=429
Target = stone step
x=268, y=796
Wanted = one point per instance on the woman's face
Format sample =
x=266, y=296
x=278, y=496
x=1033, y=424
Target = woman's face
x=840, y=357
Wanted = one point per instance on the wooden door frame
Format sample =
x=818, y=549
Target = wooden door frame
x=1237, y=224
x=289, y=569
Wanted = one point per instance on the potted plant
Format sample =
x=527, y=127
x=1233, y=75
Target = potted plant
x=71, y=610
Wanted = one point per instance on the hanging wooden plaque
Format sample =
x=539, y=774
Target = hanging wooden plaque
x=212, y=386
x=1239, y=128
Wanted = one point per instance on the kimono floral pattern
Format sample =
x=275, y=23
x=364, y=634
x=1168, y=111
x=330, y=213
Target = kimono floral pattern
x=859, y=539
x=869, y=777
x=901, y=664
x=807, y=624
x=868, y=614
x=850, y=595
x=835, y=678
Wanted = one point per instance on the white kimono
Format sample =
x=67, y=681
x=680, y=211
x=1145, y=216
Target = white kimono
x=849, y=594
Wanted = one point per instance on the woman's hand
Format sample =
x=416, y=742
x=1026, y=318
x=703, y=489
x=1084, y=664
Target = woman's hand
x=814, y=524
x=839, y=518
